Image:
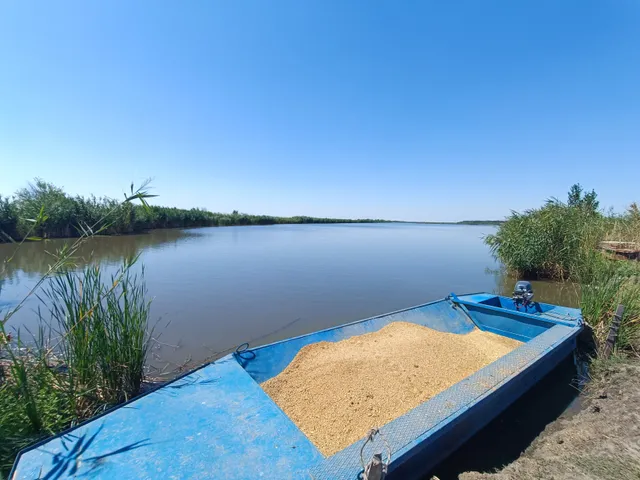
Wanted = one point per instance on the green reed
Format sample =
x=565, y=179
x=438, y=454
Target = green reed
x=103, y=326
x=607, y=284
x=553, y=241
x=89, y=353
x=96, y=331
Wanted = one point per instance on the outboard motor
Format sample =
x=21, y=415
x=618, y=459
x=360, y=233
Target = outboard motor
x=522, y=294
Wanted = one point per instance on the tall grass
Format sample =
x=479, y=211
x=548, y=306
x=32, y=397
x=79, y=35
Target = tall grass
x=626, y=227
x=554, y=241
x=88, y=354
x=34, y=402
x=608, y=284
x=560, y=240
x=104, y=329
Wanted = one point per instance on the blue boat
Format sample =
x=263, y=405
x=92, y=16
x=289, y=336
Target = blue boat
x=217, y=422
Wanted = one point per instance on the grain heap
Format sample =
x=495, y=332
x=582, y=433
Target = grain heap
x=336, y=392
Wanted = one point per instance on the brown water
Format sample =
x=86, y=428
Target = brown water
x=215, y=288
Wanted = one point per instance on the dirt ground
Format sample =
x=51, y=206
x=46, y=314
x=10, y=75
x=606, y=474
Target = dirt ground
x=602, y=441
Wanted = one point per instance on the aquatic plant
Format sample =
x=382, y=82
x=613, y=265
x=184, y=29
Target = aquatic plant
x=103, y=329
x=88, y=354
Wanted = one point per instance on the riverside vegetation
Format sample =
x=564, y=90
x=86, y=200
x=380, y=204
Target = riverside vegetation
x=86, y=355
x=560, y=241
x=65, y=213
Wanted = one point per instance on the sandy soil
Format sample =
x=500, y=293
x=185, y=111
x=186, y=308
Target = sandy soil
x=337, y=392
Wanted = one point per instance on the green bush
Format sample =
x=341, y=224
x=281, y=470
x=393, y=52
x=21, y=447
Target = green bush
x=8, y=219
x=554, y=241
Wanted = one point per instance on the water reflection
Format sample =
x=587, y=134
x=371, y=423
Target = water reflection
x=216, y=288
x=546, y=291
x=33, y=258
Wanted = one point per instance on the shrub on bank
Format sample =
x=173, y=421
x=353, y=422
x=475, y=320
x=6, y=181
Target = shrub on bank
x=550, y=242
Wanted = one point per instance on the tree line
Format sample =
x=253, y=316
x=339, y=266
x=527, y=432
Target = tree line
x=67, y=216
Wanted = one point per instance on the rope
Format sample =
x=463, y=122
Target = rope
x=243, y=352
x=376, y=469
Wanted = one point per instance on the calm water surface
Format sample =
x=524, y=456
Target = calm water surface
x=215, y=288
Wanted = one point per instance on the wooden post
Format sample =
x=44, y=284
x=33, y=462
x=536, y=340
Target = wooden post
x=613, y=332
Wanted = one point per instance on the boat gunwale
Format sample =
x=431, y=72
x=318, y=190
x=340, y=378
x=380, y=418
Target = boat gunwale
x=568, y=322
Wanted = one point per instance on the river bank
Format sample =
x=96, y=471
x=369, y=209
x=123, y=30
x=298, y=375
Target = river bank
x=601, y=441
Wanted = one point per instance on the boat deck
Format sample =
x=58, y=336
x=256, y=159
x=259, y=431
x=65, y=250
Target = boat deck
x=213, y=423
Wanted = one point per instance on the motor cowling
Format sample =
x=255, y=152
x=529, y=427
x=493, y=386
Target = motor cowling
x=522, y=293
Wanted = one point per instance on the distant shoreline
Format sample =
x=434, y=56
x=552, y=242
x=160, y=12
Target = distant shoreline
x=463, y=222
x=66, y=216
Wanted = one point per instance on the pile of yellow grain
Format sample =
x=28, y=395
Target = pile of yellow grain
x=336, y=392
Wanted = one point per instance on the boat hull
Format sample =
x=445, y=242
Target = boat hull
x=217, y=422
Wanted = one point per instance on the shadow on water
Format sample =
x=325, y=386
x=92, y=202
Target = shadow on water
x=508, y=435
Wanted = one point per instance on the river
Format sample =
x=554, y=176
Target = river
x=216, y=288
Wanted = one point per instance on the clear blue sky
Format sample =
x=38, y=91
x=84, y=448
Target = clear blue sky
x=418, y=110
